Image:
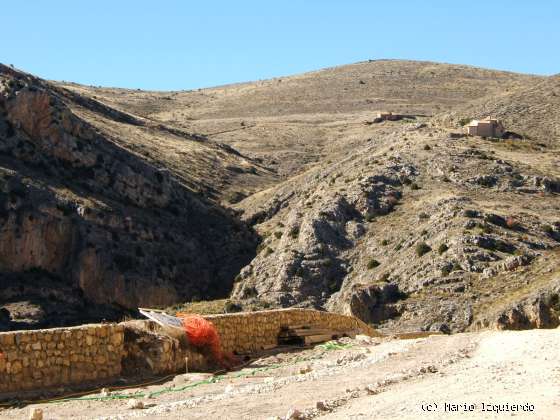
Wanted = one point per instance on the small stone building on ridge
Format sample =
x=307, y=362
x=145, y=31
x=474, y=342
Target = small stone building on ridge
x=487, y=127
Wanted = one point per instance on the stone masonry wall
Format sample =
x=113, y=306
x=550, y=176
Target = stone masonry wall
x=253, y=331
x=152, y=349
x=100, y=353
x=38, y=359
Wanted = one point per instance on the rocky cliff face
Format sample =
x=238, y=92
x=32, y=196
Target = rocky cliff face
x=96, y=219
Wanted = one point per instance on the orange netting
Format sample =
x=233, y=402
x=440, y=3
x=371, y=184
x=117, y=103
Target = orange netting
x=202, y=334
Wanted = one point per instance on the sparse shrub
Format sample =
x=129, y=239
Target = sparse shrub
x=505, y=247
x=487, y=181
x=373, y=263
x=424, y=232
x=294, y=232
x=250, y=291
x=398, y=247
x=268, y=251
x=422, y=248
x=456, y=266
x=333, y=285
x=234, y=197
x=511, y=223
x=464, y=121
x=385, y=277
x=548, y=229
x=232, y=307
x=442, y=248
x=392, y=200
x=470, y=213
x=278, y=235
x=496, y=220
x=485, y=228
x=427, y=147
x=415, y=186
x=446, y=270
x=384, y=242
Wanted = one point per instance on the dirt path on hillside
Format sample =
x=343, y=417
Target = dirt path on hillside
x=376, y=378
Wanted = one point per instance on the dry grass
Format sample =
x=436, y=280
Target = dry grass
x=203, y=308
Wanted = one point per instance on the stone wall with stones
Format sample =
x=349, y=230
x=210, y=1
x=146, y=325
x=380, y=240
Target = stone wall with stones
x=152, y=350
x=248, y=332
x=100, y=353
x=39, y=359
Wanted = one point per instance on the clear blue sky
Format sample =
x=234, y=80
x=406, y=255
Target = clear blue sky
x=166, y=44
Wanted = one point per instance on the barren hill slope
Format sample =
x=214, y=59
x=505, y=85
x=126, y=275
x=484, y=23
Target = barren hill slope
x=295, y=122
x=398, y=223
x=405, y=86
x=533, y=111
x=414, y=230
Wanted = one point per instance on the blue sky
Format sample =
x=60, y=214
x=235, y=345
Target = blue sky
x=167, y=44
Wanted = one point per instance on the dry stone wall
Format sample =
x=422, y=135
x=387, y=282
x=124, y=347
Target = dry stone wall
x=253, y=331
x=39, y=359
x=152, y=350
x=100, y=353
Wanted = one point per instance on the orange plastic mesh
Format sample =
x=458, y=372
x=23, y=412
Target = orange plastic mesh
x=202, y=334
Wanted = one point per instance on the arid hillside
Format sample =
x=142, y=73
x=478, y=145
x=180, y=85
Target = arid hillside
x=533, y=111
x=92, y=223
x=293, y=123
x=288, y=186
x=415, y=227
x=405, y=86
